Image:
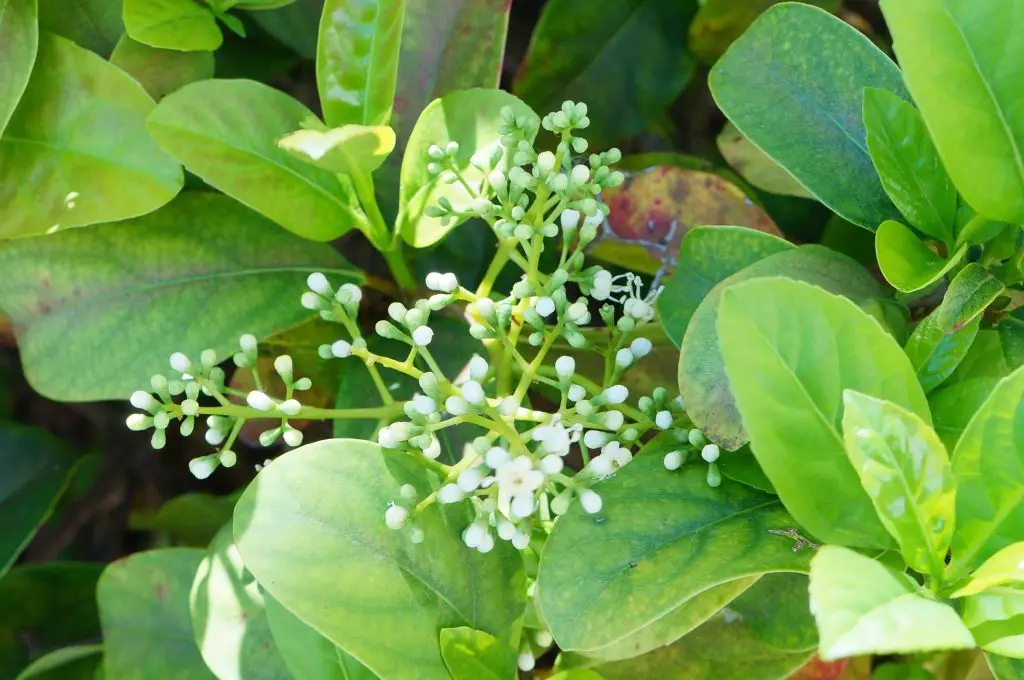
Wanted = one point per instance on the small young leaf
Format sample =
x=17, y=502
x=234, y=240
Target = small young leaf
x=1006, y=566
x=475, y=655
x=935, y=353
x=907, y=263
x=908, y=165
x=969, y=294
x=905, y=470
x=349, y=150
x=19, y=40
x=863, y=607
x=182, y=25
x=988, y=464
x=788, y=387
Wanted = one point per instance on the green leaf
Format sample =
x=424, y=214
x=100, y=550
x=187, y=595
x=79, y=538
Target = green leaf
x=954, y=405
x=707, y=256
x=182, y=25
x=935, y=352
x=908, y=165
x=985, y=359
x=1002, y=568
x=907, y=263
x=905, y=470
x=160, y=71
x=350, y=149
x=19, y=41
x=296, y=25
x=607, y=53
x=95, y=25
x=756, y=167
x=192, y=519
x=988, y=464
x=863, y=607
x=969, y=294
x=794, y=84
x=788, y=386
x=45, y=606
x=307, y=653
x=68, y=165
x=36, y=471
x=662, y=538
x=226, y=132
x=1004, y=668
x=969, y=99
x=471, y=118
x=703, y=382
x=475, y=655
x=228, y=620
x=357, y=60
x=290, y=540
x=69, y=663
x=147, y=630
x=996, y=619
x=777, y=611
x=203, y=255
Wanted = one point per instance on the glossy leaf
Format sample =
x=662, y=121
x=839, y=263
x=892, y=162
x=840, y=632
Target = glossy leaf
x=172, y=24
x=69, y=663
x=954, y=405
x=770, y=331
x=226, y=132
x=607, y=53
x=475, y=655
x=357, y=60
x=307, y=653
x=204, y=254
x=703, y=381
x=161, y=72
x=969, y=98
x=19, y=40
x=777, y=611
x=471, y=118
x=863, y=607
x=290, y=540
x=906, y=262
x=350, y=149
x=1006, y=566
x=905, y=470
x=76, y=140
x=908, y=165
x=969, y=294
x=995, y=617
x=988, y=464
x=147, y=630
x=678, y=538
x=793, y=84
x=228, y=618
x=36, y=472
x=755, y=166
x=95, y=25
x=935, y=352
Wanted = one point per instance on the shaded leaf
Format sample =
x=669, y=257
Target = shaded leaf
x=793, y=84
x=95, y=25
x=954, y=405
x=475, y=655
x=719, y=22
x=755, y=166
x=907, y=263
x=76, y=140
x=295, y=25
x=777, y=611
x=69, y=663
x=1004, y=668
x=193, y=519
x=172, y=24
x=160, y=71
x=936, y=352
x=204, y=254
x=19, y=40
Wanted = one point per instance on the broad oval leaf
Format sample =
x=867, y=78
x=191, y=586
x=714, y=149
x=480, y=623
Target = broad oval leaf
x=228, y=618
x=204, y=255
x=160, y=71
x=607, y=53
x=357, y=60
x=905, y=470
x=971, y=98
x=972, y=290
x=471, y=118
x=935, y=352
x=65, y=162
x=182, y=25
x=1006, y=566
x=703, y=381
x=350, y=149
x=862, y=607
x=777, y=611
x=226, y=132
x=788, y=386
x=36, y=471
x=908, y=165
x=906, y=262
x=988, y=464
x=328, y=499
x=19, y=40
x=662, y=538
x=147, y=630
x=475, y=655
x=793, y=84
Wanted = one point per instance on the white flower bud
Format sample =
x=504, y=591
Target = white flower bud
x=284, y=366
x=341, y=349
x=311, y=300
x=478, y=368
x=565, y=367
x=613, y=420
x=545, y=306
x=422, y=336
x=473, y=392
x=181, y=363
x=474, y=535
x=545, y=162
x=424, y=405
x=142, y=400
x=469, y=480
x=202, y=467
x=521, y=540
x=522, y=505
x=506, y=529
x=616, y=394
x=318, y=283
x=577, y=312
x=710, y=453
x=449, y=493
x=595, y=439
x=260, y=401
x=673, y=460
x=248, y=343
x=623, y=358
x=486, y=543
x=292, y=437
x=137, y=422
x=590, y=501
x=395, y=517
x=525, y=661
x=577, y=393
x=498, y=182
x=640, y=347
x=601, y=466
x=397, y=311
x=227, y=458
x=290, y=407
x=349, y=293
x=433, y=449
x=456, y=406
x=663, y=420
x=190, y=407
x=580, y=175
x=543, y=638
x=496, y=457
x=551, y=464
x=215, y=437
x=570, y=219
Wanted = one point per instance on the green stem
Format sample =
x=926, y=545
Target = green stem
x=385, y=412
x=497, y=264
x=400, y=268
x=379, y=234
